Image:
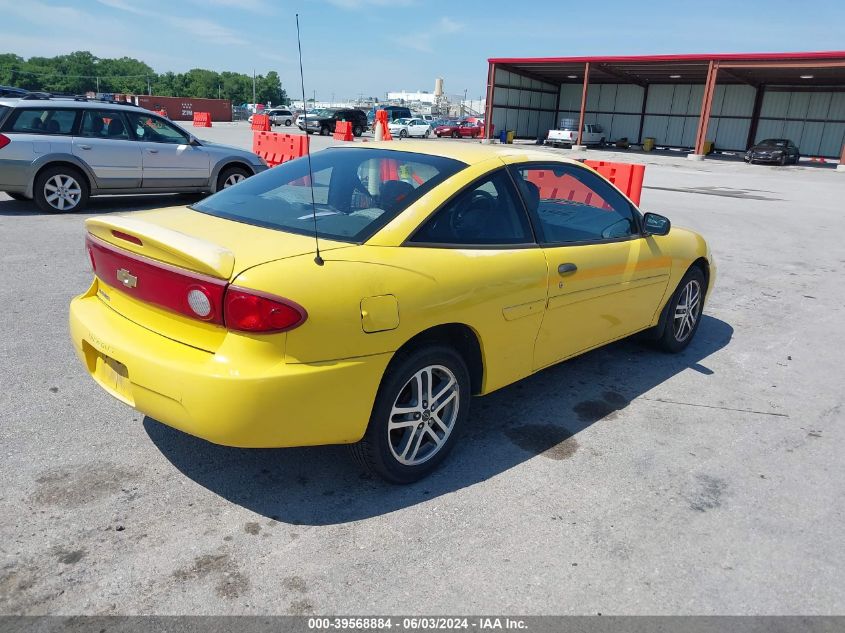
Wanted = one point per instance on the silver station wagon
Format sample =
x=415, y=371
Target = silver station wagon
x=60, y=151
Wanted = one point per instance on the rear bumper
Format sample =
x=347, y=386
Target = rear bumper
x=241, y=396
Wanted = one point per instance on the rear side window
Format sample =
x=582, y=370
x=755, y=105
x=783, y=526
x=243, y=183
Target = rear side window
x=487, y=213
x=43, y=121
x=3, y=111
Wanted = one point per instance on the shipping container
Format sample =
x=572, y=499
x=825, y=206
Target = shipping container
x=183, y=108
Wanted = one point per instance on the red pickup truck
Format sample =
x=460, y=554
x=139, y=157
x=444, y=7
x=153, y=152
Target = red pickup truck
x=459, y=129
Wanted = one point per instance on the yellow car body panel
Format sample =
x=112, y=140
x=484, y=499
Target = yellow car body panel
x=316, y=384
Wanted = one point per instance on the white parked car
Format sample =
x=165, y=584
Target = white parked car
x=278, y=116
x=403, y=128
x=567, y=135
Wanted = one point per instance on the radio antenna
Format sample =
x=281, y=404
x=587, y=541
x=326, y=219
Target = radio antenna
x=317, y=260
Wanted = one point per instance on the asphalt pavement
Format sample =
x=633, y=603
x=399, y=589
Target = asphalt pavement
x=626, y=481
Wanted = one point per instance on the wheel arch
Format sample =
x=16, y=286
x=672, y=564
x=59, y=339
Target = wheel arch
x=225, y=164
x=704, y=266
x=460, y=337
x=62, y=161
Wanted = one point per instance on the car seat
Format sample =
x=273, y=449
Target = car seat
x=394, y=193
x=116, y=127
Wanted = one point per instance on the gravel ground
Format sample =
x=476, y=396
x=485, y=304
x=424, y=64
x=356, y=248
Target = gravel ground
x=623, y=482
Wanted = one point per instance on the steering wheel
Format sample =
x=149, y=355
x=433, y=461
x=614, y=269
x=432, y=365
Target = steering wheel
x=462, y=220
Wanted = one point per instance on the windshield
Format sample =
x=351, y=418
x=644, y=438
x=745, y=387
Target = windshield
x=356, y=192
x=774, y=142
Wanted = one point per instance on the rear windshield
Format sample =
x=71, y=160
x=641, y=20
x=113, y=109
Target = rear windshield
x=356, y=192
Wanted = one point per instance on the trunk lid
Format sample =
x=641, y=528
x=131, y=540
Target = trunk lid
x=183, y=241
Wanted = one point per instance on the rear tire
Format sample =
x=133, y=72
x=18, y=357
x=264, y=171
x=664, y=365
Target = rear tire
x=421, y=405
x=456, y=135
x=357, y=131
x=61, y=189
x=683, y=312
x=231, y=176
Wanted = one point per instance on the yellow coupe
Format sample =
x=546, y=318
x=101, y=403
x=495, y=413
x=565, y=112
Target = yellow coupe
x=443, y=271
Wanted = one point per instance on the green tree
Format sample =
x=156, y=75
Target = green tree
x=269, y=88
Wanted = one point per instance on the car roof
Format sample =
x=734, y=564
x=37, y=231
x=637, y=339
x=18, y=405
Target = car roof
x=70, y=103
x=469, y=153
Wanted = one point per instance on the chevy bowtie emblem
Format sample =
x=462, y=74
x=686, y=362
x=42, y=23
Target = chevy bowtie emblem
x=127, y=279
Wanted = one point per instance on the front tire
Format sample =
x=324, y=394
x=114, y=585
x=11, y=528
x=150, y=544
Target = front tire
x=231, y=176
x=288, y=122
x=403, y=133
x=420, y=407
x=325, y=131
x=61, y=189
x=683, y=314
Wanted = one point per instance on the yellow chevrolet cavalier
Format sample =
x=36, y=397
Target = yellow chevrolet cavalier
x=443, y=271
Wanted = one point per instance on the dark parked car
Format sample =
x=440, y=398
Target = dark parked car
x=12, y=93
x=323, y=121
x=773, y=150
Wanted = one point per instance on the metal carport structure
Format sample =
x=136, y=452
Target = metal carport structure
x=681, y=100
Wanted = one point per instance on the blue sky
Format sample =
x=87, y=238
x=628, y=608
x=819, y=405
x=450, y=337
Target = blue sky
x=368, y=47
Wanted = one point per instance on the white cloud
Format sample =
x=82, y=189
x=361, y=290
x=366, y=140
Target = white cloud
x=424, y=40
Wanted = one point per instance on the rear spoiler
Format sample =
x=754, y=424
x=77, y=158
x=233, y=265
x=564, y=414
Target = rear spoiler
x=163, y=244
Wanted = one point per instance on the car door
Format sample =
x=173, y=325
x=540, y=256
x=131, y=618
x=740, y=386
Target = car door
x=168, y=159
x=419, y=127
x=103, y=142
x=606, y=280
x=481, y=242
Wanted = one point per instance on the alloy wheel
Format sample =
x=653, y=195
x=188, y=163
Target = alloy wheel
x=233, y=179
x=62, y=192
x=687, y=310
x=423, y=415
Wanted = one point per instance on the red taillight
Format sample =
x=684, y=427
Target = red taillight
x=251, y=311
x=4, y=140
x=192, y=294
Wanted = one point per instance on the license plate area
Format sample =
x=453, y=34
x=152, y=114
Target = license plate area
x=112, y=375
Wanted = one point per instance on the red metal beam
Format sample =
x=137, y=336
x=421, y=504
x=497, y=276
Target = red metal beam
x=706, y=105
x=816, y=55
x=842, y=158
x=583, y=100
x=488, y=106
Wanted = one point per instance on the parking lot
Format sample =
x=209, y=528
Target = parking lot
x=626, y=481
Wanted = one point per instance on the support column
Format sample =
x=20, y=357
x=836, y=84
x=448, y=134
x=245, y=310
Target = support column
x=706, y=105
x=642, y=115
x=583, y=106
x=755, y=115
x=488, y=109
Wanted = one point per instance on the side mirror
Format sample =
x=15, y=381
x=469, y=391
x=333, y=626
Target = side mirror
x=655, y=224
x=194, y=142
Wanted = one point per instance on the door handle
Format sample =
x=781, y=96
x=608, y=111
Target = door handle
x=566, y=268
x=84, y=146
x=152, y=151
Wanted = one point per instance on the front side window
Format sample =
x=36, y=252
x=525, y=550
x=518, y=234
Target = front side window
x=155, y=130
x=103, y=124
x=487, y=213
x=356, y=192
x=573, y=204
x=44, y=121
